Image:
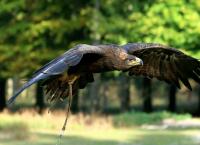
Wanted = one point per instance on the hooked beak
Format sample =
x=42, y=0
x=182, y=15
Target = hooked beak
x=135, y=62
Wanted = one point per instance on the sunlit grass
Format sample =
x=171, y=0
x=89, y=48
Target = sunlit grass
x=30, y=128
x=140, y=118
x=110, y=137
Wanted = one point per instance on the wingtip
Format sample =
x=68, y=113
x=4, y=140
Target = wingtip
x=26, y=85
x=10, y=101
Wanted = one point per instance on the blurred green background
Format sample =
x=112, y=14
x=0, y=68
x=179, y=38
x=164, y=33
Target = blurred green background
x=33, y=32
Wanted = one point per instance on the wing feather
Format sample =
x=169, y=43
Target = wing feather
x=165, y=63
x=58, y=88
x=59, y=65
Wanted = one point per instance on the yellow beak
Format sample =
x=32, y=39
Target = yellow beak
x=135, y=62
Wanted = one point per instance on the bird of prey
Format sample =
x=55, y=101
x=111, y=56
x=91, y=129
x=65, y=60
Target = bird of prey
x=63, y=76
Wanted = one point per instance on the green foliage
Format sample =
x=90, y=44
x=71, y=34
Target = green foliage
x=174, y=23
x=34, y=32
x=140, y=118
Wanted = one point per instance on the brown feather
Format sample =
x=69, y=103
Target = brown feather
x=57, y=88
x=165, y=63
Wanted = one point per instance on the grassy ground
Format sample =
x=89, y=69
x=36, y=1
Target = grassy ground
x=107, y=137
x=33, y=129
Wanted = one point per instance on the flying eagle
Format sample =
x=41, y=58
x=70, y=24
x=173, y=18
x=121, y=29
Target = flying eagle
x=63, y=76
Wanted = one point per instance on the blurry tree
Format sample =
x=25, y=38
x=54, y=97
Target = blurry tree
x=93, y=94
x=94, y=89
x=2, y=94
x=39, y=98
x=124, y=92
x=174, y=23
x=33, y=32
x=198, y=109
x=105, y=94
x=147, y=95
x=75, y=104
x=172, y=98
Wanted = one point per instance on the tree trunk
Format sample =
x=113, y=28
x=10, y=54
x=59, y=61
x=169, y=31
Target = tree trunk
x=75, y=103
x=94, y=94
x=172, y=98
x=105, y=94
x=2, y=94
x=39, y=98
x=198, y=112
x=146, y=93
x=124, y=92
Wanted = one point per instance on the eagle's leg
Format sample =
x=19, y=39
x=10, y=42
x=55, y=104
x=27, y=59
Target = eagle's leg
x=70, y=84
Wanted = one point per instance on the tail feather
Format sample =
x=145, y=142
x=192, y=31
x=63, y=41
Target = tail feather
x=33, y=80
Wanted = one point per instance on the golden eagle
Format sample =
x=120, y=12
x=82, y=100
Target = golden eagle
x=63, y=76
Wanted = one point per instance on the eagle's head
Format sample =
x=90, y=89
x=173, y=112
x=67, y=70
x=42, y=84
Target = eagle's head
x=133, y=61
x=129, y=60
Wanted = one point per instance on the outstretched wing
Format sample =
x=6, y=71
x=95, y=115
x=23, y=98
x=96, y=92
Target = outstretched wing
x=60, y=65
x=164, y=63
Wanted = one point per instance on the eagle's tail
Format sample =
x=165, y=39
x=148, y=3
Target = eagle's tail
x=33, y=80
